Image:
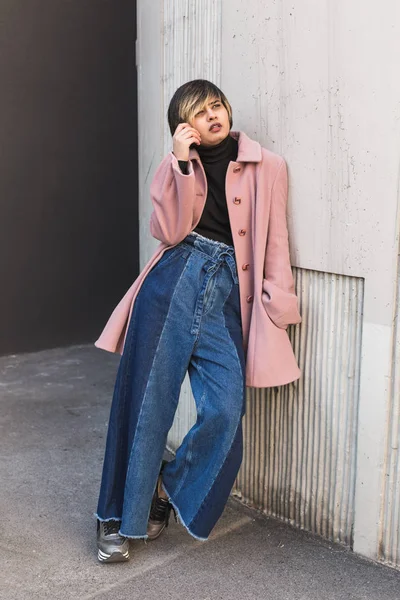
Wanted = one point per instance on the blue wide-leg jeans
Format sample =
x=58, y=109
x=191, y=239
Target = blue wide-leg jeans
x=186, y=318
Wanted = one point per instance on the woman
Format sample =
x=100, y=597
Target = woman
x=214, y=301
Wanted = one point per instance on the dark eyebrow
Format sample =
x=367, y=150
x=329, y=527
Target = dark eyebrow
x=210, y=104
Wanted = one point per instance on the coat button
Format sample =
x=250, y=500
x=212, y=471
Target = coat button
x=245, y=266
x=242, y=231
x=236, y=169
x=237, y=200
x=249, y=298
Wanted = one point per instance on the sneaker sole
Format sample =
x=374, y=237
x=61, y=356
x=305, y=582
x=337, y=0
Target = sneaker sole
x=114, y=557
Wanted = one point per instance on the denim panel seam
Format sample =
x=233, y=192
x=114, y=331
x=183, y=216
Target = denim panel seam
x=203, y=504
x=199, y=408
x=131, y=455
x=152, y=365
x=201, y=507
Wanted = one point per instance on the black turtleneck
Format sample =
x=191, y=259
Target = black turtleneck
x=214, y=221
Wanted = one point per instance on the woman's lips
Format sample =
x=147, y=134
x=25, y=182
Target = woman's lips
x=215, y=127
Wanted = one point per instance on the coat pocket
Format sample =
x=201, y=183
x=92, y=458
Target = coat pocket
x=280, y=306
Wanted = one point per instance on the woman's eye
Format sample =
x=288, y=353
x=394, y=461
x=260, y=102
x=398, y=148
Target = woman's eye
x=201, y=112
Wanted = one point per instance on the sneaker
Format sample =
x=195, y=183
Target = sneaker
x=112, y=546
x=159, y=513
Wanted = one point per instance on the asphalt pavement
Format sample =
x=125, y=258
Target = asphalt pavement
x=54, y=409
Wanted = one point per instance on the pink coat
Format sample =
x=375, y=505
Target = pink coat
x=256, y=193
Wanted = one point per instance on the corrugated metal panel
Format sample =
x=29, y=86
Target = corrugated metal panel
x=300, y=439
x=389, y=534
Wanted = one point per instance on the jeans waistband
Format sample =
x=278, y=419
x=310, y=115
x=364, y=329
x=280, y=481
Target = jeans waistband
x=217, y=252
x=207, y=245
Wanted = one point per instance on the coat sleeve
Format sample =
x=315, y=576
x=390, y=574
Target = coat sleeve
x=278, y=294
x=172, y=194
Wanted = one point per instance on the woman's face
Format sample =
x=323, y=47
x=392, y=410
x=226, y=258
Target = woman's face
x=212, y=122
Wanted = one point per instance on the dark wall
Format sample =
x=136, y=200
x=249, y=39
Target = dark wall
x=68, y=168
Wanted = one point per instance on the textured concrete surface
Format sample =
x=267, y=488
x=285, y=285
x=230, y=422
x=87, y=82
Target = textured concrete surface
x=53, y=415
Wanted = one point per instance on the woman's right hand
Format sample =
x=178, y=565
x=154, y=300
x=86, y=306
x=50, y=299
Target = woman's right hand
x=183, y=138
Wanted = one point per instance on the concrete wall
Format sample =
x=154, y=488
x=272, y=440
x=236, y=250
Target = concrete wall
x=68, y=177
x=313, y=82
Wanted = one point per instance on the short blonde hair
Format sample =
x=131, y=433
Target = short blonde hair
x=191, y=97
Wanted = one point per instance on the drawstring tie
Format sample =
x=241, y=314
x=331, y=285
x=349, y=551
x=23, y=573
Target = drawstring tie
x=226, y=256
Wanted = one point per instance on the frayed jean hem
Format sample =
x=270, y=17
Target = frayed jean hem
x=131, y=537
x=201, y=539
x=108, y=518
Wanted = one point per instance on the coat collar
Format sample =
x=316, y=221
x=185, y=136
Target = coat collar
x=248, y=151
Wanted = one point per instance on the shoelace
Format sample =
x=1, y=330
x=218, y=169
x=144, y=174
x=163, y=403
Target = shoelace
x=111, y=527
x=161, y=510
